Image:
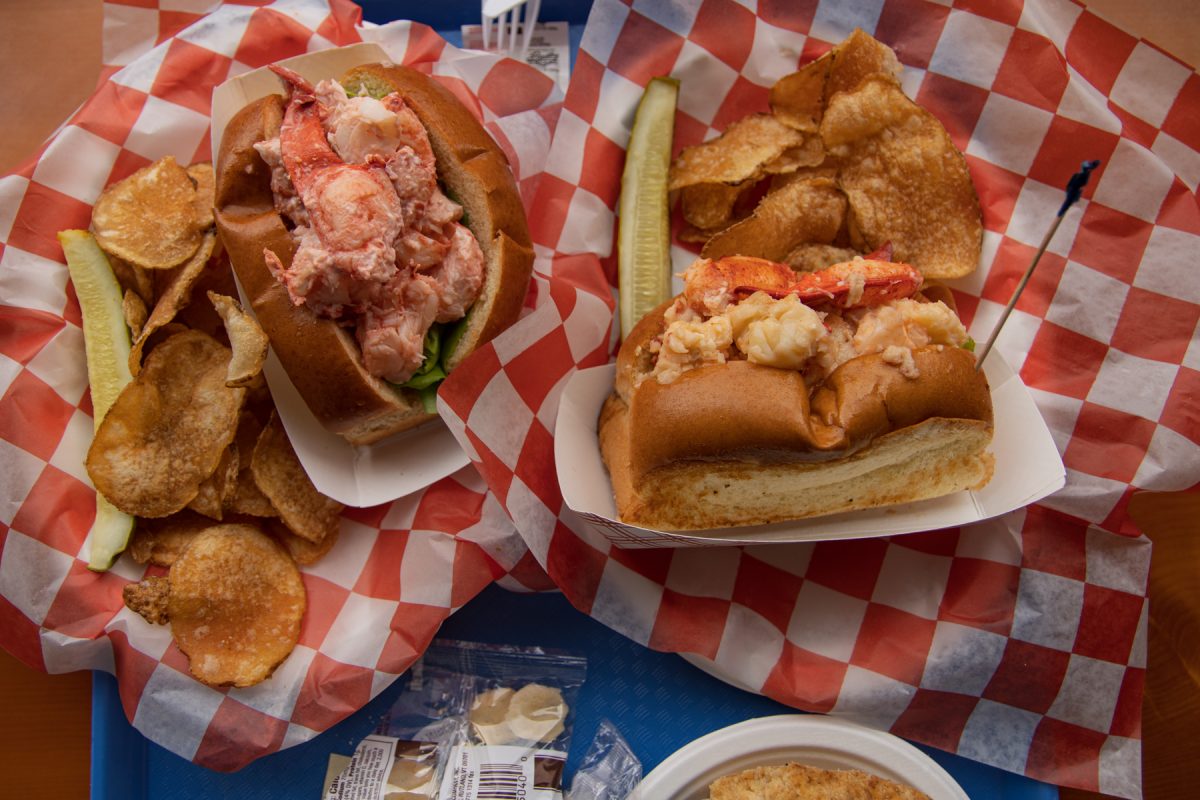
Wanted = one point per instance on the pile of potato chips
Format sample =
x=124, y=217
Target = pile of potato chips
x=848, y=164
x=193, y=448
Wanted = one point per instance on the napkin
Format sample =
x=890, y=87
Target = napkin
x=398, y=569
x=1019, y=642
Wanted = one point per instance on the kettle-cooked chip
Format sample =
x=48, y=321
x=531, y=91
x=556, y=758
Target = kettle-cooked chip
x=906, y=181
x=204, y=177
x=302, y=551
x=809, y=153
x=739, y=154
x=798, y=99
x=858, y=57
x=247, y=498
x=148, y=599
x=218, y=487
x=130, y=276
x=168, y=428
x=875, y=106
x=161, y=541
x=134, y=310
x=803, y=211
x=235, y=604
x=246, y=337
x=174, y=296
x=150, y=219
x=279, y=474
x=709, y=206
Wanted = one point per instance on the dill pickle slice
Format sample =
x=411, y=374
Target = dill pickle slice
x=643, y=232
x=106, y=343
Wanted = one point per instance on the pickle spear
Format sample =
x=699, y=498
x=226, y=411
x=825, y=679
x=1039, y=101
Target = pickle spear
x=644, y=231
x=106, y=342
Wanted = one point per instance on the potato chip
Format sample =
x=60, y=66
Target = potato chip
x=199, y=314
x=246, y=337
x=247, y=498
x=204, y=178
x=812, y=257
x=737, y=155
x=939, y=293
x=804, y=211
x=235, y=604
x=906, y=181
x=162, y=541
x=709, y=205
x=141, y=281
x=877, y=105
x=826, y=169
x=174, y=296
x=858, y=57
x=134, y=309
x=168, y=428
x=218, y=487
x=695, y=235
x=302, y=551
x=148, y=599
x=808, y=154
x=150, y=219
x=798, y=99
x=278, y=473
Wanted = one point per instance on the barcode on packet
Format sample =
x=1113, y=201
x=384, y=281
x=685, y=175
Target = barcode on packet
x=501, y=782
x=502, y=772
x=507, y=781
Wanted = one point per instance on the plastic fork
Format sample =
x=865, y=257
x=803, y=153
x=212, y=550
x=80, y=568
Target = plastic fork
x=509, y=16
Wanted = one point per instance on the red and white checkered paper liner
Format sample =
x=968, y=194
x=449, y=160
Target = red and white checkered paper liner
x=397, y=571
x=1019, y=642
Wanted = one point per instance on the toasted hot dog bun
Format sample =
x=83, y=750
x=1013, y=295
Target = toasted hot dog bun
x=321, y=357
x=743, y=444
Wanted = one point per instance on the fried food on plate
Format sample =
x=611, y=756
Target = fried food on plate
x=794, y=781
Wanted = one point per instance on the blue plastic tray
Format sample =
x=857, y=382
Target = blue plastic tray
x=658, y=701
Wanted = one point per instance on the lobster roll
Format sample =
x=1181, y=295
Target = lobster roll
x=377, y=232
x=761, y=395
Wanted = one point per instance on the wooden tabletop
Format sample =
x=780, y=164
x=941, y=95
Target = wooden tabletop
x=50, y=58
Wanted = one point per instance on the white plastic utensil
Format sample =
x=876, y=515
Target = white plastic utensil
x=509, y=17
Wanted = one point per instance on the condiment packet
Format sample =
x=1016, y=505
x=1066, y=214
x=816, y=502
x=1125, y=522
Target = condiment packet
x=473, y=721
x=609, y=771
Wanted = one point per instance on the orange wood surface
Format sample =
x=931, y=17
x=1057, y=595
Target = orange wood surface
x=50, y=61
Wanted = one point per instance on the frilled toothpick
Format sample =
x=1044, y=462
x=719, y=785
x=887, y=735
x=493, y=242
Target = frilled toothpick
x=1074, y=190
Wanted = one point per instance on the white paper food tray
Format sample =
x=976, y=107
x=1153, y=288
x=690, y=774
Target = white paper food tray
x=357, y=476
x=1028, y=467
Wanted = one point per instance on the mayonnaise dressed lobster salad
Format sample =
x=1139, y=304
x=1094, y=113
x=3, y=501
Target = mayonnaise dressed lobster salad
x=380, y=247
x=763, y=312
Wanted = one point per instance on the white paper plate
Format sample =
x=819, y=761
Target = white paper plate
x=809, y=739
